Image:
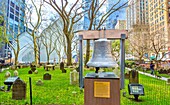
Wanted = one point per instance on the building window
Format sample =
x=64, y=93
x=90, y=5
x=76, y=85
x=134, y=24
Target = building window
x=17, y=8
x=16, y=19
x=11, y=10
x=17, y=13
x=12, y=4
x=11, y=16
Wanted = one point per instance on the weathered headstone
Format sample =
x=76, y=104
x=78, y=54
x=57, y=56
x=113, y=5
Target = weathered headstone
x=16, y=73
x=13, y=67
x=64, y=71
x=47, y=76
x=19, y=90
x=30, y=72
x=133, y=76
x=7, y=74
x=164, y=72
x=39, y=82
x=36, y=71
x=61, y=65
x=33, y=67
x=126, y=75
x=74, y=77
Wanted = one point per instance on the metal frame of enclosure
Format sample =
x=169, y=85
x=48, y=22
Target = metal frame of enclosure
x=110, y=35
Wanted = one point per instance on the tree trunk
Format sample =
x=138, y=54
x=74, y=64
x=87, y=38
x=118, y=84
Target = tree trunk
x=140, y=60
x=59, y=58
x=87, y=52
x=48, y=58
x=16, y=59
x=156, y=65
x=69, y=54
x=35, y=52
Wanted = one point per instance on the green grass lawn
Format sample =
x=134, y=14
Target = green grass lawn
x=59, y=91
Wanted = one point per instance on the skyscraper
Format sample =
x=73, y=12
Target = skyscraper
x=137, y=13
x=151, y=16
x=13, y=12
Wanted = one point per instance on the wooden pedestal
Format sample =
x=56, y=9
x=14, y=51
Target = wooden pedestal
x=102, y=91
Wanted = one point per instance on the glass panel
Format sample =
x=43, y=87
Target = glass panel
x=11, y=16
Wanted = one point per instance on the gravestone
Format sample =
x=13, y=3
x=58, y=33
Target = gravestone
x=7, y=74
x=47, y=76
x=30, y=72
x=15, y=73
x=160, y=71
x=61, y=65
x=164, y=72
x=74, y=77
x=133, y=76
x=64, y=71
x=126, y=75
x=39, y=82
x=36, y=71
x=169, y=71
x=19, y=90
x=33, y=67
x=13, y=67
x=168, y=81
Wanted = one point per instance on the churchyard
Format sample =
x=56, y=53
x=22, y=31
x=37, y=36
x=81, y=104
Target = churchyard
x=58, y=90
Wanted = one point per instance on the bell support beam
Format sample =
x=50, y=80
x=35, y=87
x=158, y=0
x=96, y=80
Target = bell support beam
x=81, y=61
x=122, y=60
x=109, y=34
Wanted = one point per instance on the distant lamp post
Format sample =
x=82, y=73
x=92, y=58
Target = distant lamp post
x=9, y=56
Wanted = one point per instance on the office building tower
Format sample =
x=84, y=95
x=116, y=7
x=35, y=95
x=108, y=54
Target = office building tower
x=13, y=12
x=137, y=13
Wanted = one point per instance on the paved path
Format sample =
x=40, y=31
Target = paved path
x=161, y=78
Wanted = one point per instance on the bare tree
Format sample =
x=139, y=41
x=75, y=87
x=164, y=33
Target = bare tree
x=70, y=15
x=33, y=23
x=60, y=46
x=39, y=44
x=138, y=40
x=1, y=29
x=158, y=45
x=49, y=41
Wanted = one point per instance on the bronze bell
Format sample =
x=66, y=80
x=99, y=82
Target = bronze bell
x=102, y=57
